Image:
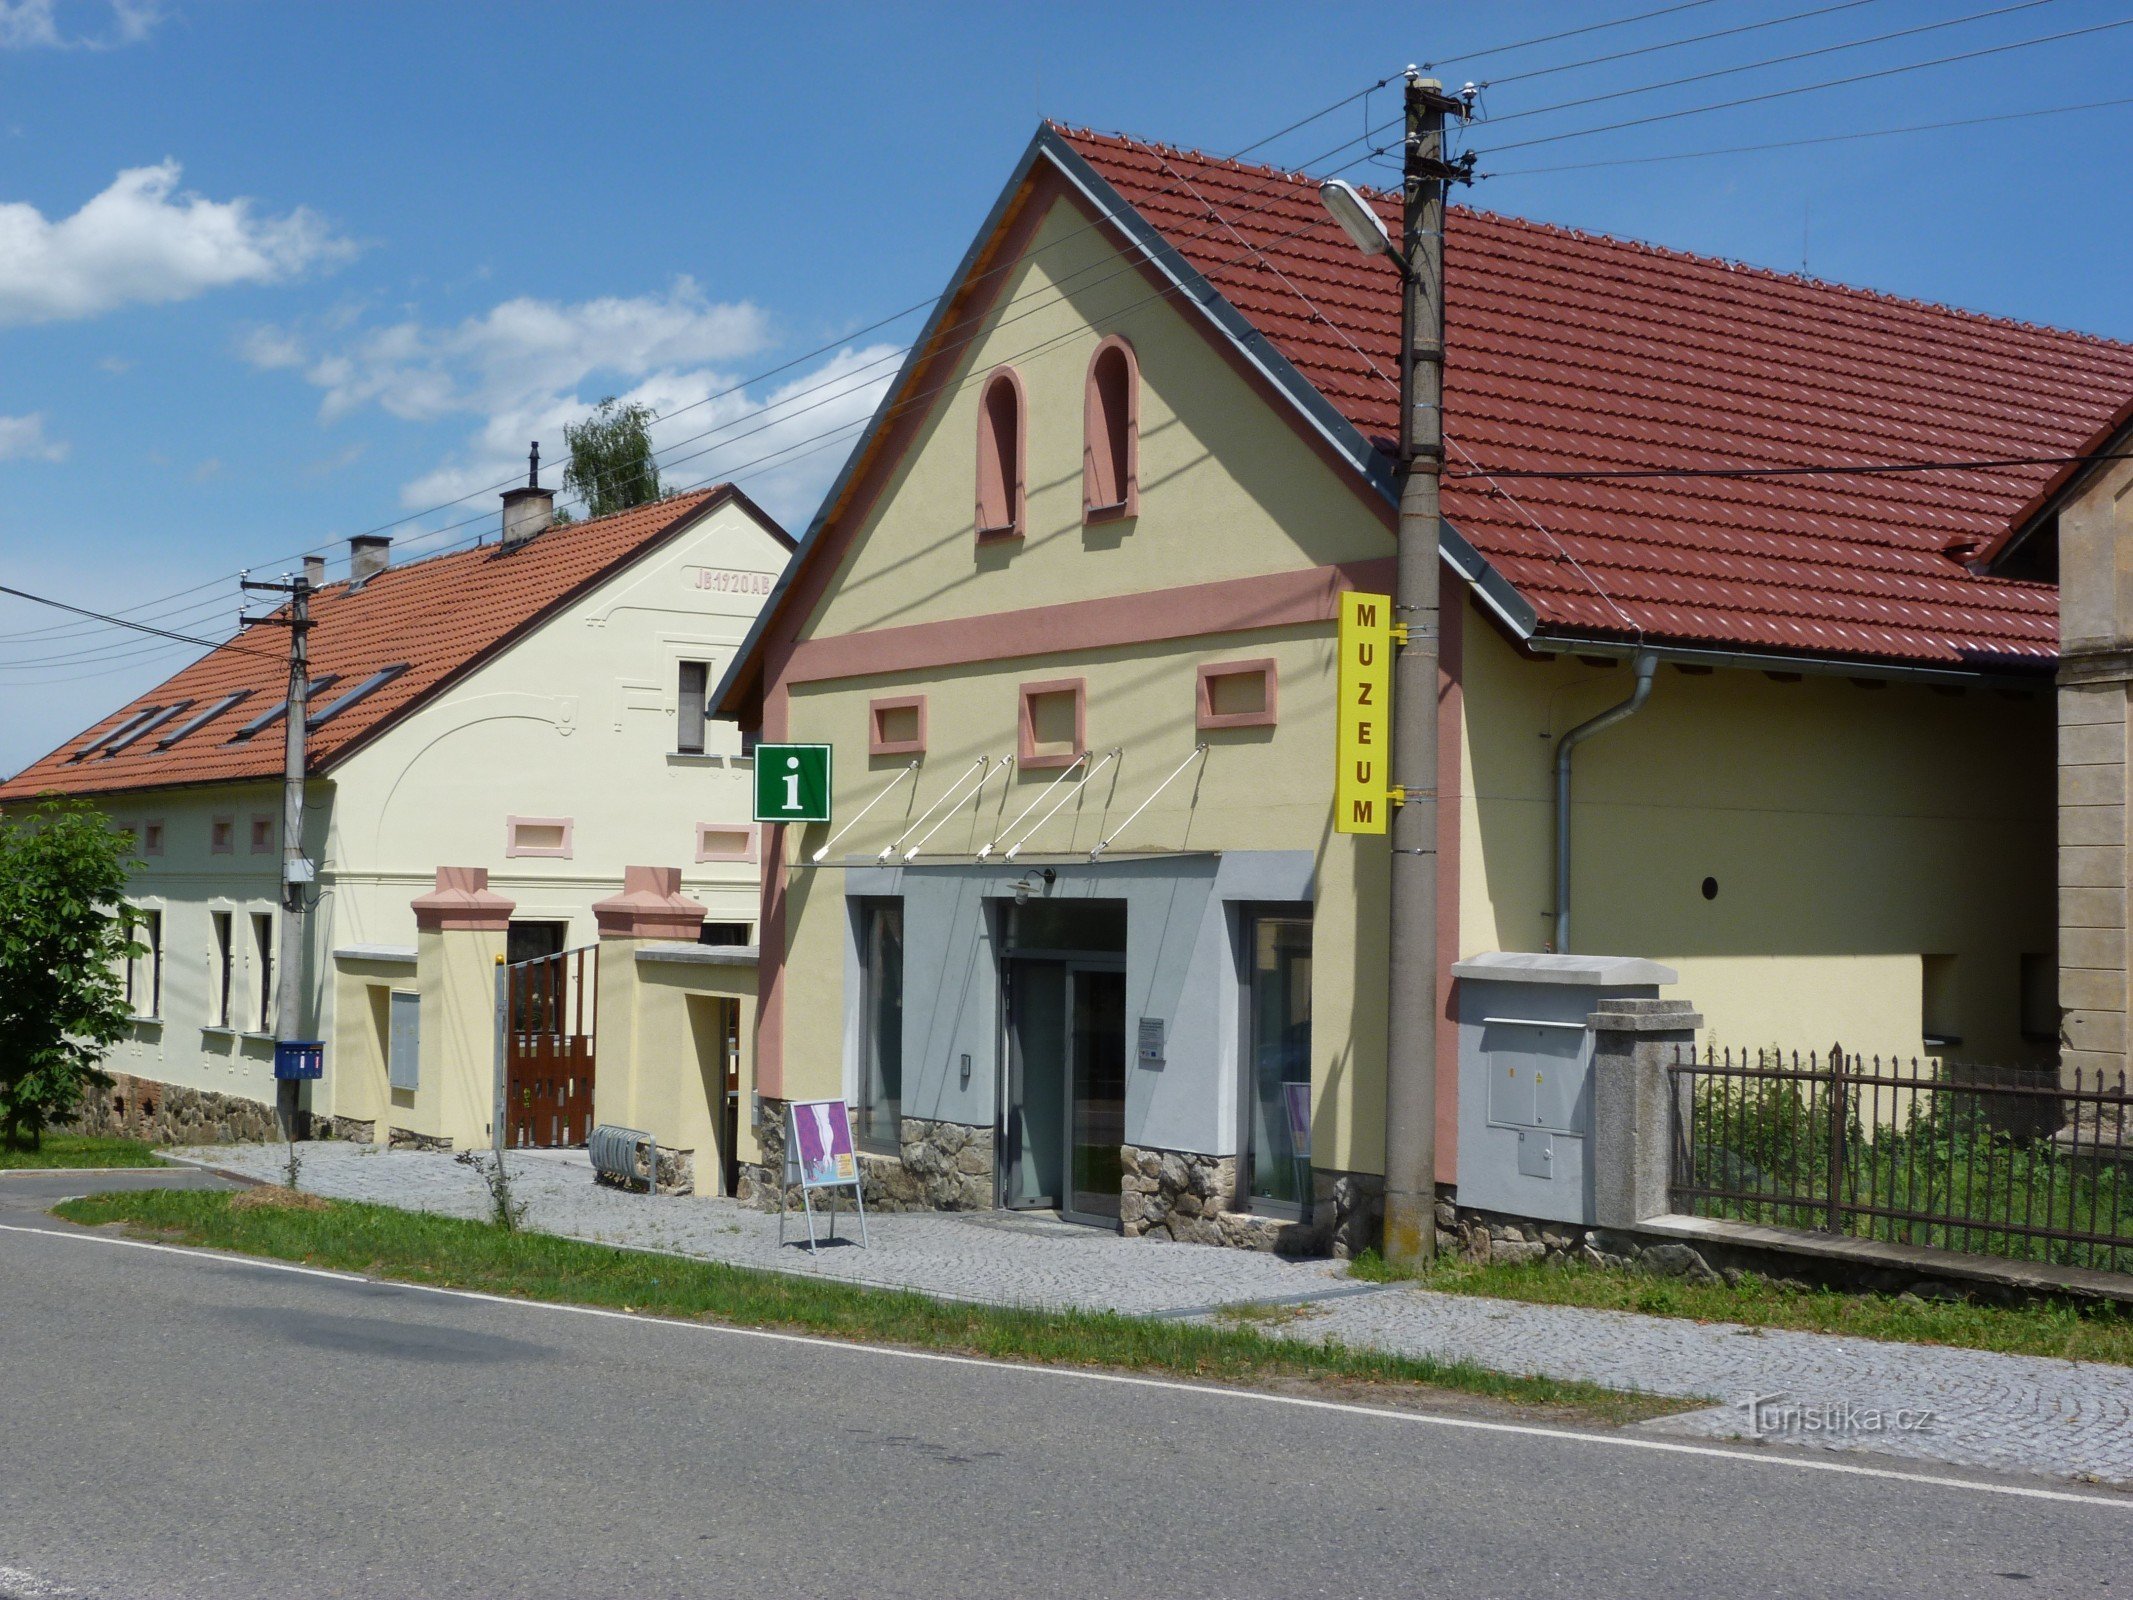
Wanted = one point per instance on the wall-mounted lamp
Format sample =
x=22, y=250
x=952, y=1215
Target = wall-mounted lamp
x=1037, y=881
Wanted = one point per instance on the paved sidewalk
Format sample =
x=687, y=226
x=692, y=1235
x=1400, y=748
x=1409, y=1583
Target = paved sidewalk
x=1968, y=1408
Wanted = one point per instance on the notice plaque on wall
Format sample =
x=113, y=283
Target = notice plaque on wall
x=1151, y=1042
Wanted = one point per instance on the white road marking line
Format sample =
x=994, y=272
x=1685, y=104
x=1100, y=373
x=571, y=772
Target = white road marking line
x=1529, y=1430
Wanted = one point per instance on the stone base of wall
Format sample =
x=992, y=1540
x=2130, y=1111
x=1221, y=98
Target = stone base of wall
x=942, y=1166
x=677, y=1173
x=352, y=1130
x=168, y=1114
x=408, y=1139
x=1186, y=1197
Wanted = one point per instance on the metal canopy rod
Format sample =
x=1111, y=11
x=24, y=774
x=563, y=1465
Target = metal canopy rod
x=1037, y=800
x=863, y=810
x=976, y=769
x=1198, y=751
x=912, y=853
x=1110, y=756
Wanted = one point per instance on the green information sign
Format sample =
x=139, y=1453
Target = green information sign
x=792, y=783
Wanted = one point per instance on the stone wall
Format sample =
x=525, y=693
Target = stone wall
x=166, y=1114
x=942, y=1166
x=677, y=1172
x=1186, y=1197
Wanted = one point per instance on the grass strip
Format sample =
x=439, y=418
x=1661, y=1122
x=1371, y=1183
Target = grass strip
x=2067, y=1331
x=416, y=1247
x=77, y=1150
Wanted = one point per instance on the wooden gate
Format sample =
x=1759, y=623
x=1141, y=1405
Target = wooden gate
x=551, y=1008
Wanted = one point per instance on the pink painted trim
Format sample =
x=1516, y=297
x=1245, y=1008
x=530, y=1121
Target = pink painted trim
x=1209, y=717
x=877, y=745
x=513, y=849
x=1026, y=731
x=152, y=837
x=650, y=906
x=994, y=493
x=1123, y=500
x=463, y=902
x=222, y=836
x=747, y=852
x=262, y=833
x=1451, y=763
x=1230, y=605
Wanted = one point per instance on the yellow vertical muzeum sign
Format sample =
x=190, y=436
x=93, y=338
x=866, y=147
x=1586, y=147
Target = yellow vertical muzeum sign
x=1363, y=733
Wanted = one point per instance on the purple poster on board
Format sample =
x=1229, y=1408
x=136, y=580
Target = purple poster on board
x=1297, y=1097
x=821, y=1132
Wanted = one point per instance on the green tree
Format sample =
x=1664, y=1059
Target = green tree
x=64, y=934
x=611, y=466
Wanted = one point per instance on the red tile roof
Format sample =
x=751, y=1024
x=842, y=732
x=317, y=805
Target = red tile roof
x=440, y=618
x=1567, y=350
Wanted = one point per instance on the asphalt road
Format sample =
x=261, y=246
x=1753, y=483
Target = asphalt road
x=178, y=1425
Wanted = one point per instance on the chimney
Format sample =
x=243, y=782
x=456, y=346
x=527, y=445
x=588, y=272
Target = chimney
x=368, y=555
x=315, y=571
x=528, y=510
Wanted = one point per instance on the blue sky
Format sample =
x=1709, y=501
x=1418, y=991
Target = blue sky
x=275, y=274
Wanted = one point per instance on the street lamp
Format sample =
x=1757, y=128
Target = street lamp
x=1359, y=219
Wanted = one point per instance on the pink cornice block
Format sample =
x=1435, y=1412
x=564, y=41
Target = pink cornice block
x=650, y=906
x=463, y=902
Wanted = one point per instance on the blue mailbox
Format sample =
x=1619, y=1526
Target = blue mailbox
x=299, y=1059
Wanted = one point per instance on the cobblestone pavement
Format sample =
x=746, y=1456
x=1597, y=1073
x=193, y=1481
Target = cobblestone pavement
x=1962, y=1407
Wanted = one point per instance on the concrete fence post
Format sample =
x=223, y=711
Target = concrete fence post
x=1634, y=1041
x=461, y=930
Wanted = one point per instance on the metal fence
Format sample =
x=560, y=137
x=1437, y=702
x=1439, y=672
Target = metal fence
x=1998, y=1161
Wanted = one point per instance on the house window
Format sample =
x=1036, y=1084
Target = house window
x=2040, y=1000
x=225, y=970
x=262, y=833
x=725, y=842
x=723, y=933
x=1277, y=1076
x=897, y=726
x=222, y=836
x=537, y=836
x=144, y=973
x=151, y=838
x=881, y=1023
x=1937, y=1008
x=1111, y=445
x=1053, y=727
x=689, y=717
x=1236, y=694
x=263, y=967
x=1000, y=455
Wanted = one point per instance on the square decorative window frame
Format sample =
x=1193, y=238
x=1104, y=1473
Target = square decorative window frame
x=262, y=833
x=513, y=850
x=1026, y=755
x=708, y=852
x=1204, y=695
x=879, y=746
x=152, y=837
x=222, y=836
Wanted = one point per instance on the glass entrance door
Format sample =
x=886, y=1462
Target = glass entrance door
x=1033, y=1148
x=1096, y=1088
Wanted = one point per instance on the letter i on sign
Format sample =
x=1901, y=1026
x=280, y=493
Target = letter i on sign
x=792, y=783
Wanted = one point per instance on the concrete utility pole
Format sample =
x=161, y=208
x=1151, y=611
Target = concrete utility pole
x=1411, y=1031
x=296, y=870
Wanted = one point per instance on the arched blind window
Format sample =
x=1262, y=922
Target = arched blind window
x=1000, y=490
x=1110, y=457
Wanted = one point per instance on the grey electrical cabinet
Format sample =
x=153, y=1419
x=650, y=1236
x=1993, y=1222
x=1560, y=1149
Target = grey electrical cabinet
x=1525, y=1076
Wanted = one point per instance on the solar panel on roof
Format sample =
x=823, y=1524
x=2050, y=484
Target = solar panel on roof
x=111, y=733
x=267, y=719
x=202, y=720
x=370, y=685
x=144, y=728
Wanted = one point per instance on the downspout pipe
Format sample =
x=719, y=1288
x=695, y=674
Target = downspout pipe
x=1646, y=666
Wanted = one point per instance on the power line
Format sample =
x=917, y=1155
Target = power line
x=1828, y=138
x=1857, y=469
x=1809, y=88
x=1567, y=33
x=137, y=627
x=1677, y=44
x=1772, y=61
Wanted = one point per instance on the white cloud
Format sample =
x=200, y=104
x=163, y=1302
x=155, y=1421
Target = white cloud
x=34, y=24
x=143, y=241
x=23, y=439
x=527, y=367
